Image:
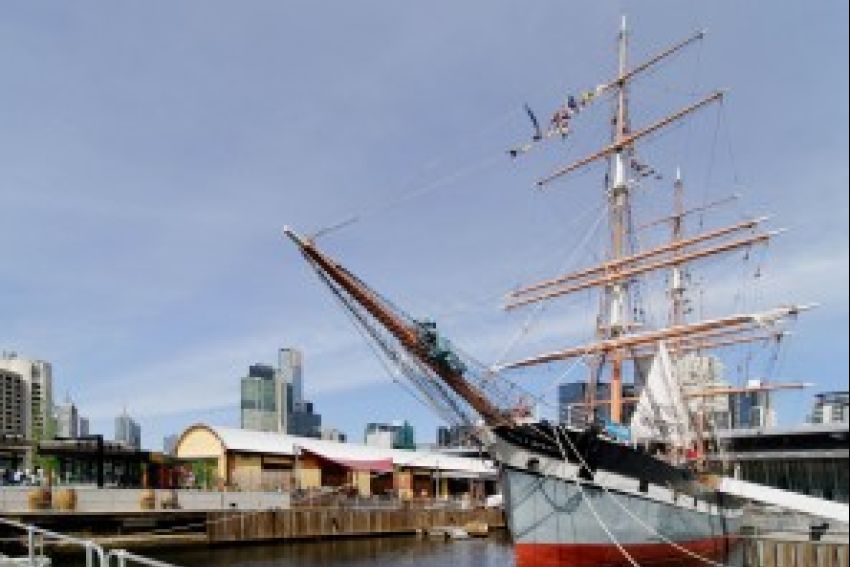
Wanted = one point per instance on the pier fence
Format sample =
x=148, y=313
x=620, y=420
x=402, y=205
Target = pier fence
x=794, y=550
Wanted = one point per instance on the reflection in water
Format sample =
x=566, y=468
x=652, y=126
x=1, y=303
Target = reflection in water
x=399, y=551
x=385, y=551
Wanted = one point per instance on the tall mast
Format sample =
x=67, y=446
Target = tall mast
x=677, y=283
x=618, y=198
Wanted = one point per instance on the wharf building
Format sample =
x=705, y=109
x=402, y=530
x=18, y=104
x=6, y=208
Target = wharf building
x=93, y=460
x=238, y=459
x=810, y=459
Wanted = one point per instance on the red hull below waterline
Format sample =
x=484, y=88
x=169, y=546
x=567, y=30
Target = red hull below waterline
x=607, y=555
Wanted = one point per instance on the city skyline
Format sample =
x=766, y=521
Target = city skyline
x=161, y=174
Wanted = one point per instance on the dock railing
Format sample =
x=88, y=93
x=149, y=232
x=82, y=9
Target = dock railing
x=95, y=555
x=124, y=558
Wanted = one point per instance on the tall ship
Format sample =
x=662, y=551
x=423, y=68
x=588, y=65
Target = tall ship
x=623, y=479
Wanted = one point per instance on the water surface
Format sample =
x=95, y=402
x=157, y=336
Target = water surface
x=398, y=551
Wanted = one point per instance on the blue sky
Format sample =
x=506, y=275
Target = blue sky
x=150, y=154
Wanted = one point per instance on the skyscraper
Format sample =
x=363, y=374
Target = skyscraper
x=264, y=404
x=128, y=431
x=289, y=364
x=83, y=428
x=304, y=421
x=67, y=420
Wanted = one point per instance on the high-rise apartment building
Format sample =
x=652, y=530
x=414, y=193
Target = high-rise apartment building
x=831, y=407
x=697, y=372
x=37, y=392
x=128, y=431
x=12, y=405
x=752, y=409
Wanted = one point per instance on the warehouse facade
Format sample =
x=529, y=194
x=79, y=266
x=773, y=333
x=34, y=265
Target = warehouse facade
x=227, y=458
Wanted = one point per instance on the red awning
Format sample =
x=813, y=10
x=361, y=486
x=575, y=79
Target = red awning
x=377, y=465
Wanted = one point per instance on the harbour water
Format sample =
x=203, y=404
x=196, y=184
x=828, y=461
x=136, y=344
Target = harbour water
x=397, y=551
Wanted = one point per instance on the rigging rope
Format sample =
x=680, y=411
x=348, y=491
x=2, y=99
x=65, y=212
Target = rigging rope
x=712, y=154
x=533, y=318
x=452, y=413
x=592, y=509
x=477, y=166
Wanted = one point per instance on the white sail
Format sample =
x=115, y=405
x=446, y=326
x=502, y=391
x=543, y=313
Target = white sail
x=661, y=413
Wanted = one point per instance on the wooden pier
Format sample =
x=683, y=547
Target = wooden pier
x=319, y=523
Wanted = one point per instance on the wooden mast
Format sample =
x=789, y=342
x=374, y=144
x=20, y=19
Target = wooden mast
x=403, y=330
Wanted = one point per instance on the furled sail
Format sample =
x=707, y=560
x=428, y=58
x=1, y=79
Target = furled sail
x=661, y=414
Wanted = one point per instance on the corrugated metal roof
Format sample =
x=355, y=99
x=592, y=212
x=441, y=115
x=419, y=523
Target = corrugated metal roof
x=235, y=439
